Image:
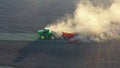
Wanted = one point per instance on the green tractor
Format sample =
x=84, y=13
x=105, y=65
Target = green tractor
x=46, y=34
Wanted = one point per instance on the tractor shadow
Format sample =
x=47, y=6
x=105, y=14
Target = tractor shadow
x=51, y=49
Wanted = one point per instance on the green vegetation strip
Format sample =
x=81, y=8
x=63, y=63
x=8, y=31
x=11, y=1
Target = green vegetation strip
x=25, y=37
x=6, y=67
x=19, y=36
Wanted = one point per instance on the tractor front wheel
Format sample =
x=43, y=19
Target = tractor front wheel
x=52, y=37
x=42, y=37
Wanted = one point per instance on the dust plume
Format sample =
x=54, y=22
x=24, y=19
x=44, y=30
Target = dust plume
x=92, y=23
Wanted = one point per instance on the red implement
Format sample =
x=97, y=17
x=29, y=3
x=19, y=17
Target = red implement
x=67, y=35
x=70, y=37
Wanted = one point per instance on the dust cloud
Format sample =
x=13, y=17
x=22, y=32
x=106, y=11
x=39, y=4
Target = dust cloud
x=90, y=22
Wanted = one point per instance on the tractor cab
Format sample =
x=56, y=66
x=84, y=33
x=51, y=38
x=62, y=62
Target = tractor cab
x=46, y=34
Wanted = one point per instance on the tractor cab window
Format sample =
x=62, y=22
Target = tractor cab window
x=46, y=31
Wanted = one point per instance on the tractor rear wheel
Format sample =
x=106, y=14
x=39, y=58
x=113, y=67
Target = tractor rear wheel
x=52, y=37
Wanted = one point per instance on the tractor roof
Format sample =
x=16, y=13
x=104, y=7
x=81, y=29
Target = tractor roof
x=46, y=28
